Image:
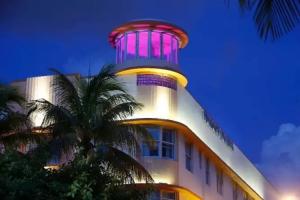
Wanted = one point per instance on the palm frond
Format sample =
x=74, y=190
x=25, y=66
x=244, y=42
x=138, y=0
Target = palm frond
x=123, y=165
x=273, y=18
x=66, y=91
x=8, y=95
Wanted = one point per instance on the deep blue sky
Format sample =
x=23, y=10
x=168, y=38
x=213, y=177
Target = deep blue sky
x=249, y=86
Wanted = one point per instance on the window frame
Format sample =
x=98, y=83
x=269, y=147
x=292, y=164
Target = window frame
x=189, y=156
x=160, y=143
x=207, y=171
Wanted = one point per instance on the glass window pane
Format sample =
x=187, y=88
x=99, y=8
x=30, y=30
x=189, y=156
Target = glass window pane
x=131, y=45
x=155, y=44
x=151, y=148
x=167, y=44
x=188, y=156
x=122, y=48
x=168, y=195
x=154, y=196
x=118, y=60
x=143, y=44
x=174, y=51
x=168, y=135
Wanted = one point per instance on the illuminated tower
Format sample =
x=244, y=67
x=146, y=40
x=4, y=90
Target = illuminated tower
x=193, y=159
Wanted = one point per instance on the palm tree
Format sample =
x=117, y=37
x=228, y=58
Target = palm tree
x=15, y=126
x=88, y=118
x=273, y=18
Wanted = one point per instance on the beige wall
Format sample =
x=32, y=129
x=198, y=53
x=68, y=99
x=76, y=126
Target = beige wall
x=164, y=103
x=179, y=106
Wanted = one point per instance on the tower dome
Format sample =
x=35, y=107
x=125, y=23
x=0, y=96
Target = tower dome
x=149, y=46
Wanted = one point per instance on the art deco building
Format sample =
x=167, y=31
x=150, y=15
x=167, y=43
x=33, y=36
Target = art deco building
x=193, y=159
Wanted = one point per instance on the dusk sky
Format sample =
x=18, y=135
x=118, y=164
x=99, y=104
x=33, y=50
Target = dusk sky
x=250, y=87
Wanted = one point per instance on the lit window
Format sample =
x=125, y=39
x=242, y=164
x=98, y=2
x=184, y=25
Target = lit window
x=168, y=143
x=167, y=47
x=219, y=176
x=207, y=171
x=154, y=79
x=143, y=44
x=131, y=46
x=153, y=148
x=155, y=45
x=174, y=50
x=188, y=156
x=122, y=49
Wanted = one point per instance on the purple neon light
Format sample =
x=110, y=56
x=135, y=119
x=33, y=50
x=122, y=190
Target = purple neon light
x=156, y=80
x=155, y=45
x=161, y=45
x=131, y=45
x=143, y=44
x=167, y=45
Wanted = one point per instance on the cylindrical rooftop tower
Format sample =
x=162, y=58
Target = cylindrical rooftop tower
x=149, y=46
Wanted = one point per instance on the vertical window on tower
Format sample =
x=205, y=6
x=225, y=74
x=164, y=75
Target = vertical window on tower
x=131, y=45
x=122, y=49
x=143, y=44
x=118, y=51
x=167, y=47
x=219, y=176
x=168, y=143
x=207, y=171
x=151, y=148
x=155, y=45
x=188, y=156
x=174, y=50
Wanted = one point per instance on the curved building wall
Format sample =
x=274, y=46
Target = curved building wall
x=179, y=106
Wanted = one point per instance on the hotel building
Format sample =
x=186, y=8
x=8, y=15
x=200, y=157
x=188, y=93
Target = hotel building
x=193, y=159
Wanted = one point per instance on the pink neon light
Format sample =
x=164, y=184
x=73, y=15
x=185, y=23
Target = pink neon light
x=167, y=44
x=131, y=45
x=155, y=44
x=175, y=50
x=143, y=44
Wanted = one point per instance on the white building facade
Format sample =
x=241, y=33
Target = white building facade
x=193, y=159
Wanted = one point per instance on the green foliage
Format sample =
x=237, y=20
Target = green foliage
x=22, y=176
x=87, y=119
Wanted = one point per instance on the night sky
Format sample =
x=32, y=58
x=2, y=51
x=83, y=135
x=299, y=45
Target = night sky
x=250, y=87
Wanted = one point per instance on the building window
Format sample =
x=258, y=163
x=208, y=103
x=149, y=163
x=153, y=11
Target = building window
x=188, y=156
x=168, y=195
x=131, y=45
x=168, y=143
x=155, y=45
x=219, y=176
x=152, y=149
x=147, y=44
x=207, y=171
x=163, y=145
x=143, y=44
x=234, y=191
x=200, y=159
x=163, y=195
